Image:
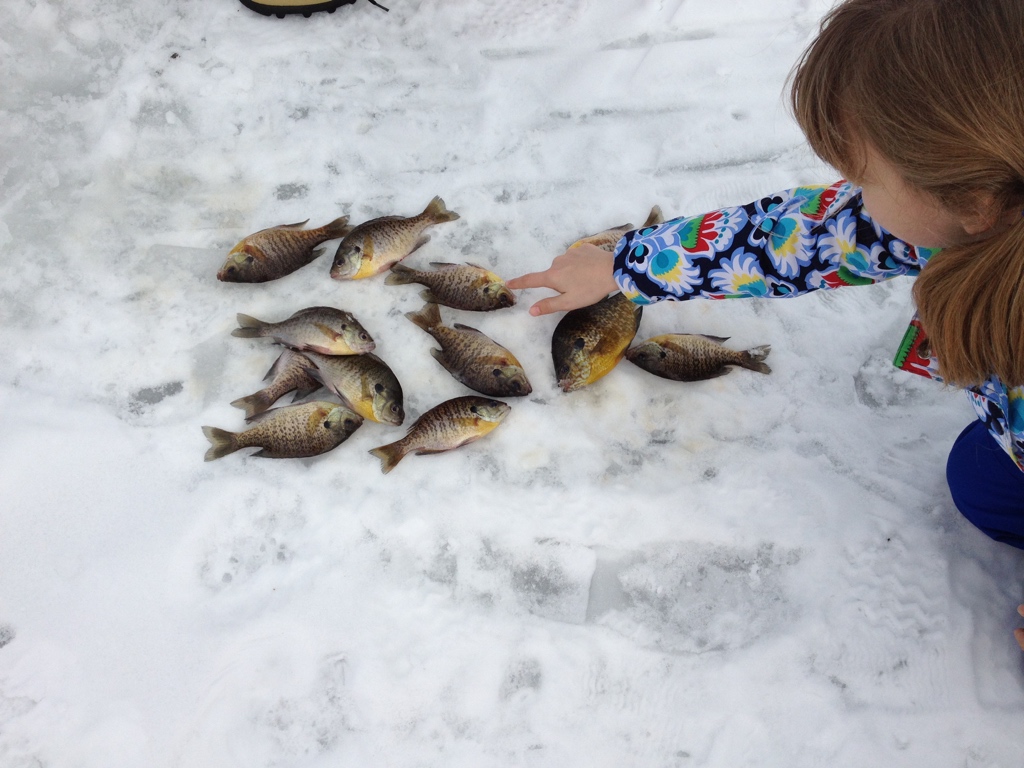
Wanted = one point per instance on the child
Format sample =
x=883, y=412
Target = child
x=920, y=104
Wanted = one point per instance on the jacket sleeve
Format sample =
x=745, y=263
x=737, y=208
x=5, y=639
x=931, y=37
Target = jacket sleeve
x=779, y=246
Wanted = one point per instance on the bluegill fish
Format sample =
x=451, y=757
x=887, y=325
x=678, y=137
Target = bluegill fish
x=287, y=374
x=450, y=425
x=460, y=286
x=375, y=245
x=278, y=251
x=473, y=358
x=690, y=357
x=326, y=330
x=589, y=342
x=364, y=382
x=608, y=239
x=290, y=432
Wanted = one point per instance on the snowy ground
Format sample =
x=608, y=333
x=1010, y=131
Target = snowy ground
x=749, y=571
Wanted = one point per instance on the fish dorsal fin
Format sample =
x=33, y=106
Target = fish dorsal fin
x=313, y=372
x=272, y=373
x=716, y=339
x=654, y=218
x=259, y=417
x=442, y=264
x=461, y=327
x=296, y=225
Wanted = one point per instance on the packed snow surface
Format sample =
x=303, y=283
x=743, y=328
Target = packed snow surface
x=747, y=571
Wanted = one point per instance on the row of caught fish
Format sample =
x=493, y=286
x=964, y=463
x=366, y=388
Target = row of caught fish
x=327, y=347
x=589, y=342
x=365, y=250
x=309, y=429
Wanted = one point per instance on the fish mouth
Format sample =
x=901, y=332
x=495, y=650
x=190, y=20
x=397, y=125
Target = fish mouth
x=228, y=276
x=392, y=419
x=524, y=388
x=569, y=385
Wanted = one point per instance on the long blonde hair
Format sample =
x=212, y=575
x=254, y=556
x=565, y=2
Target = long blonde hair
x=937, y=88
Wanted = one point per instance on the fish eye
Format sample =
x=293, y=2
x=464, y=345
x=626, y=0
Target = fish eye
x=344, y=327
x=395, y=408
x=327, y=424
x=248, y=259
x=663, y=354
x=378, y=388
x=496, y=372
x=473, y=409
x=363, y=336
x=579, y=343
x=517, y=386
x=350, y=423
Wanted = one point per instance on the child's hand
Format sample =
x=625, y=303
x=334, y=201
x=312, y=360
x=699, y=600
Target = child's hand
x=582, y=275
x=1019, y=633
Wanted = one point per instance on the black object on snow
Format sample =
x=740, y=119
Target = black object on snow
x=280, y=8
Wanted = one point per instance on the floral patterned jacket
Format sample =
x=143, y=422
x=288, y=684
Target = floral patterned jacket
x=791, y=243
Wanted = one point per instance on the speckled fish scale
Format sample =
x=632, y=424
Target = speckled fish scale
x=453, y=423
x=294, y=431
x=278, y=251
x=287, y=374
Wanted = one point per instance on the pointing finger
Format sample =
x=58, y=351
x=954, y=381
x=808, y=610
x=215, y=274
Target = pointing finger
x=531, y=280
x=560, y=303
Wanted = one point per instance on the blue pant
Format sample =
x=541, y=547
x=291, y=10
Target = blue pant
x=987, y=486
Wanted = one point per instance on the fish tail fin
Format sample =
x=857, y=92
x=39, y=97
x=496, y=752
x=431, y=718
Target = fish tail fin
x=222, y=443
x=753, y=358
x=248, y=327
x=437, y=212
x=389, y=455
x=427, y=318
x=253, y=404
x=400, y=275
x=337, y=228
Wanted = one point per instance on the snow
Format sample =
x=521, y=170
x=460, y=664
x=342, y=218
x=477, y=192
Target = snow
x=747, y=571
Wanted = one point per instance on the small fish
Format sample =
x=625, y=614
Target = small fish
x=287, y=374
x=451, y=424
x=689, y=357
x=476, y=360
x=278, y=251
x=290, y=432
x=460, y=286
x=590, y=341
x=364, y=382
x=326, y=330
x=375, y=245
x=608, y=239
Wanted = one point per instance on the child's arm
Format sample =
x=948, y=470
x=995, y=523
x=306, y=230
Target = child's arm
x=779, y=246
